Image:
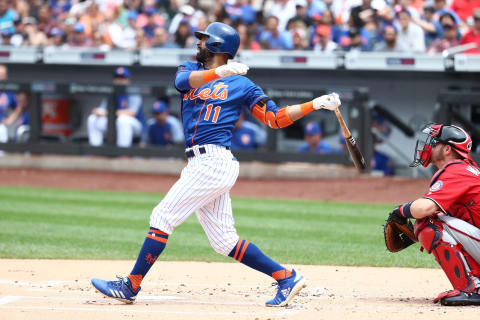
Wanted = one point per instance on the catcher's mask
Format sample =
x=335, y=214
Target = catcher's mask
x=432, y=134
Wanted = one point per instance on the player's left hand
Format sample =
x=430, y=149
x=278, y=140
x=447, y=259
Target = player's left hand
x=329, y=101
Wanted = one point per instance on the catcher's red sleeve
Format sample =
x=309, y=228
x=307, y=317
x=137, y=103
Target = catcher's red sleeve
x=456, y=190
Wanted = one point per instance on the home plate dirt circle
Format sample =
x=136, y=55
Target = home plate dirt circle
x=61, y=289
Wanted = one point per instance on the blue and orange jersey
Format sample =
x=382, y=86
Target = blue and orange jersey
x=209, y=113
x=8, y=102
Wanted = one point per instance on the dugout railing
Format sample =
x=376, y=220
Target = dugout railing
x=355, y=102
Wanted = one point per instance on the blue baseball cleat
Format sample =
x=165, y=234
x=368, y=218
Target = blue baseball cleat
x=121, y=289
x=287, y=289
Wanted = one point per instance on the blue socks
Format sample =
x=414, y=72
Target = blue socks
x=250, y=255
x=153, y=246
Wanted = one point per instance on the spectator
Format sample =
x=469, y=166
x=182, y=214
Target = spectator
x=241, y=10
x=356, y=42
x=141, y=40
x=7, y=17
x=427, y=23
x=336, y=31
x=186, y=13
x=410, y=36
x=301, y=13
x=19, y=36
x=271, y=38
x=91, y=20
x=299, y=39
x=126, y=36
x=45, y=21
x=20, y=118
x=34, y=37
x=78, y=37
x=243, y=136
x=381, y=131
x=152, y=22
x=473, y=35
x=284, y=10
x=56, y=37
x=129, y=122
x=183, y=36
x=465, y=8
x=313, y=139
x=390, y=43
x=6, y=37
x=363, y=13
x=449, y=39
x=322, y=41
x=160, y=39
x=246, y=38
x=315, y=8
x=8, y=107
x=159, y=130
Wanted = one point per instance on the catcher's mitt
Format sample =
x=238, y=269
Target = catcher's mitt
x=398, y=232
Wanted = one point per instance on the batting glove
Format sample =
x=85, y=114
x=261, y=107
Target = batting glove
x=329, y=101
x=231, y=69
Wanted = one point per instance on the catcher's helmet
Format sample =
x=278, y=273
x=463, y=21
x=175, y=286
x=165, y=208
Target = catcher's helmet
x=221, y=38
x=455, y=136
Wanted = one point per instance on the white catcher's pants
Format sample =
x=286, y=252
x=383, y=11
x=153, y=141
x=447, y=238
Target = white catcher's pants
x=127, y=128
x=204, y=186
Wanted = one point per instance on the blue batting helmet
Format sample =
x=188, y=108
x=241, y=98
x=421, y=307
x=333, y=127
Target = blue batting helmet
x=221, y=38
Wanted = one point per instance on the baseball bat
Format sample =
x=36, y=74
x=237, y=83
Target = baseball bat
x=352, y=146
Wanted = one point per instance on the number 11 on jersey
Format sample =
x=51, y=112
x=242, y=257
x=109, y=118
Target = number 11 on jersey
x=216, y=113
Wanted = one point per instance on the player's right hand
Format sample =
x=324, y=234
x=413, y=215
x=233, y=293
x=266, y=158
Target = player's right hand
x=231, y=69
x=328, y=101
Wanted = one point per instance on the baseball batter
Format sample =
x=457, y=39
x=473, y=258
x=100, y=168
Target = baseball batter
x=448, y=214
x=213, y=94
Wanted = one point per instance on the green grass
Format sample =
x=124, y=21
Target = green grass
x=73, y=224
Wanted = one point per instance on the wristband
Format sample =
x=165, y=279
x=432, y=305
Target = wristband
x=307, y=107
x=405, y=210
x=209, y=75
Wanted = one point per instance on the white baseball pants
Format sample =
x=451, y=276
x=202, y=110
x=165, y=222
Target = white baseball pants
x=127, y=128
x=204, y=186
x=458, y=231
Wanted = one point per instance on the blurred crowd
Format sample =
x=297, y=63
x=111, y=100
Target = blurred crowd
x=320, y=25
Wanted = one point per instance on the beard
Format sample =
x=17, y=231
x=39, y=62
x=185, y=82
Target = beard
x=203, y=55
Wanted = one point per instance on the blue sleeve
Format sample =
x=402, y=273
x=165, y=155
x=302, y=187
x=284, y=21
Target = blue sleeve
x=181, y=77
x=253, y=94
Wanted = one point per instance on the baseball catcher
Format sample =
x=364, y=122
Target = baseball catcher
x=448, y=215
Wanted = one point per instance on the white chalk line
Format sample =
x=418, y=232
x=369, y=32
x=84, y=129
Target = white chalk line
x=149, y=311
x=8, y=299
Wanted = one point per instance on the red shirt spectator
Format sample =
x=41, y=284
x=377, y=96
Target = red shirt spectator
x=473, y=35
x=464, y=8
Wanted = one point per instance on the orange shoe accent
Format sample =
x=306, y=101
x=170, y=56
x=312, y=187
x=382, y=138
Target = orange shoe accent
x=307, y=107
x=281, y=274
x=159, y=239
x=136, y=280
x=243, y=251
x=158, y=232
x=239, y=244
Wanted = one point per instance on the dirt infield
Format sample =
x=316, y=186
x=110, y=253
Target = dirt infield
x=59, y=289
x=364, y=189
